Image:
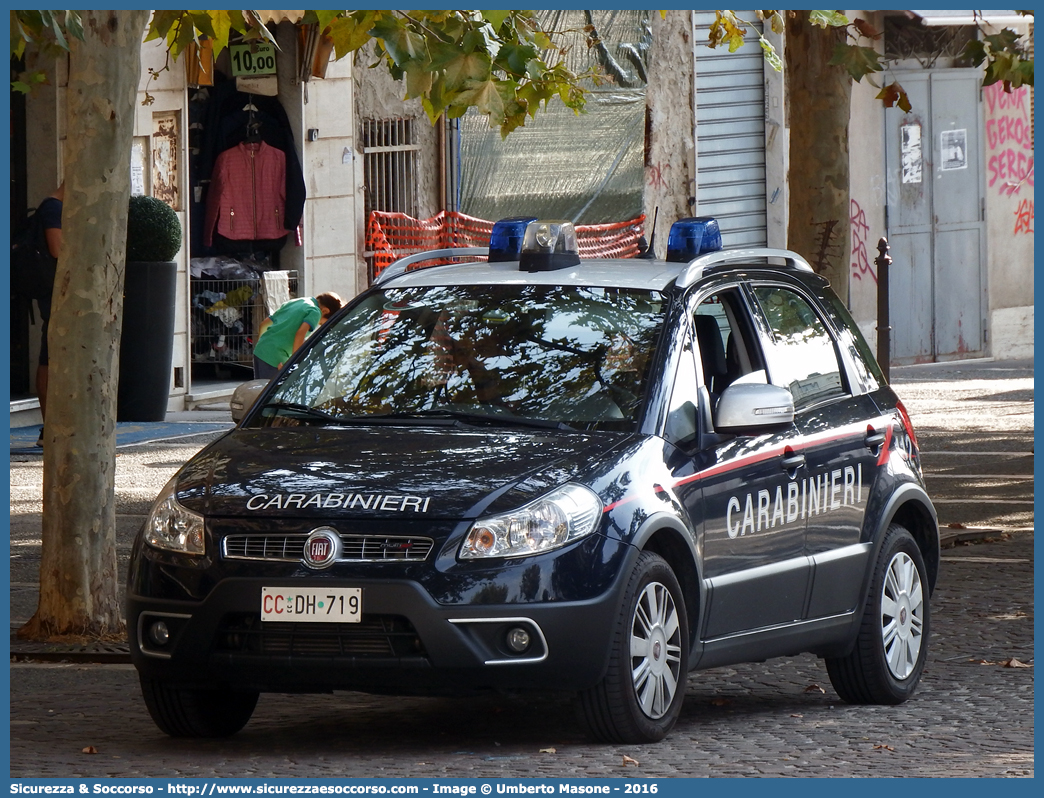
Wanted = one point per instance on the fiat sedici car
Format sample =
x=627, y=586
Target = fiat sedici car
x=532, y=471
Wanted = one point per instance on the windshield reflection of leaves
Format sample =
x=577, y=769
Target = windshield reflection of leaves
x=534, y=351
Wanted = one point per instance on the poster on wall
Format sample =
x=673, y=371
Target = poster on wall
x=139, y=174
x=165, y=136
x=911, y=153
x=954, y=147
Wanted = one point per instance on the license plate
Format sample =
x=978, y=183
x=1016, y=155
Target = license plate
x=327, y=604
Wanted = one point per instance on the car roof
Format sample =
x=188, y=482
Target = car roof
x=636, y=273
x=652, y=275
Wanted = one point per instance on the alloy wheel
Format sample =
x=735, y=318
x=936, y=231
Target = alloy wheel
x=655, y=650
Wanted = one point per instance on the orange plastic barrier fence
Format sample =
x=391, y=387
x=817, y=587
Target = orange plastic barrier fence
x=391, y=236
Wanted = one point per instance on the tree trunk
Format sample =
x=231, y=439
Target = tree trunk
x=78, y=570
x=820, y=98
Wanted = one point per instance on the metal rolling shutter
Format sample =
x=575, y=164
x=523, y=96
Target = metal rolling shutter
x=730, y=134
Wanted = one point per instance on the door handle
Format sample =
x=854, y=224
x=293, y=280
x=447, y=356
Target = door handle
x=874, y=439
x=792, y=460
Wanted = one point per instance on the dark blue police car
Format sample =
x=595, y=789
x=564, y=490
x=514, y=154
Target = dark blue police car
x=533, y=471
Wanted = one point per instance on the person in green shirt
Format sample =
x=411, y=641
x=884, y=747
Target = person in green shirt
x=286, y=329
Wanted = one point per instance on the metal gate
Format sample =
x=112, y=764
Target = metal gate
x=936, y=213
x=730, y=133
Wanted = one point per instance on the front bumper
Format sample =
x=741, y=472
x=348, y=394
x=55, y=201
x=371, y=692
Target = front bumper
x=406, y=643
x=431, y=627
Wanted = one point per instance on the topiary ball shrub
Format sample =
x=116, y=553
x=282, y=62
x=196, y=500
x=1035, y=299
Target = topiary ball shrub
x=153, y=230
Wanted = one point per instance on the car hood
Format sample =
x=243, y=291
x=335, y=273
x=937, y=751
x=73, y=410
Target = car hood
x=382, y=472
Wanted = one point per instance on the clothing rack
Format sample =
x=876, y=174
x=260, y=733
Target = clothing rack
x=226, y=314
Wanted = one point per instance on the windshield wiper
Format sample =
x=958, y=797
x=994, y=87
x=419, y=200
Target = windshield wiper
x=306, y=410
x=471, y=417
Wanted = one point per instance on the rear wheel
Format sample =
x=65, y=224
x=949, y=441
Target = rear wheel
x=183, y=712
x=640, y=697
x=888, y=659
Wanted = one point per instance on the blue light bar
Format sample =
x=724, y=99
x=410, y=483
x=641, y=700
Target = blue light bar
x=692, y=237
x=505, y=242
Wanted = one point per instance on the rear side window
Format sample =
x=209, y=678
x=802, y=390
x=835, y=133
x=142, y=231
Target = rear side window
x=862, y=356
x=801, y=355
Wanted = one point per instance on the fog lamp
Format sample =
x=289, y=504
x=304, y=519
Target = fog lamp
x=518, y=639
x=159, y=633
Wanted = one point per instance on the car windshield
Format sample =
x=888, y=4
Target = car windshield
x=526, y=355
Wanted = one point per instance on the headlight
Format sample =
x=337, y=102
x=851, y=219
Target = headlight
x=172, y=527
x=562, y=516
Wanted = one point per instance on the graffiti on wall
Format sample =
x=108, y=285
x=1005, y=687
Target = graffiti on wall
x=1024, y=217
x=1009, y=139
x=656, y=176
x=861, y=263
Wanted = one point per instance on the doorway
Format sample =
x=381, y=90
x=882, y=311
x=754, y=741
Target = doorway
x=936, y=218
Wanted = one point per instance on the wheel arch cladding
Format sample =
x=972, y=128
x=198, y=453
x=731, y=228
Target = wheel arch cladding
x=920, y=522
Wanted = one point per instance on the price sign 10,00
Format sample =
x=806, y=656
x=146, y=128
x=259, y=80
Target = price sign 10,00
x=257, y=59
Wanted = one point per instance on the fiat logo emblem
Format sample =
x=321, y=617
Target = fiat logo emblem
x=322, y=548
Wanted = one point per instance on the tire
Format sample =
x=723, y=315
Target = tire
x=892, y=646
x=182, y=712
x=640, y=696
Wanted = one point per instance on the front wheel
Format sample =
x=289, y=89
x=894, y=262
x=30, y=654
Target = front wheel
x=184, y=712
x=886, y=663
x=640, y=697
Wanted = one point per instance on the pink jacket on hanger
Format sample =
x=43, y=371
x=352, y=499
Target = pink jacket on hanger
x=247, y=196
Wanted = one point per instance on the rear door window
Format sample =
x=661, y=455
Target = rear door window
x=800, y=355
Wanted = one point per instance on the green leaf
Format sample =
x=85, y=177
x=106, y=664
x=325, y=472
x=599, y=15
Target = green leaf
x=495, y=18
x=350, y=33
x=467, y=67
x=222, y=27
x=975, y=51
x=203, y=23
x=857, y=61
x=473, y=40
x=59, y=35
x=771, y=56
x=402, y=44
x=325, y=18
x=73, y=25
x=484, y=97
x=418, y=81
x=516, y=58
x=827, y=19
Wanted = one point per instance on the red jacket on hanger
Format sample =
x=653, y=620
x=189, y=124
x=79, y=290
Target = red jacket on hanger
x=247, y=197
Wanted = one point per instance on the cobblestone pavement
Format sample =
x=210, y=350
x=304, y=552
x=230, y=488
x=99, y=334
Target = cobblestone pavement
x=972, y=716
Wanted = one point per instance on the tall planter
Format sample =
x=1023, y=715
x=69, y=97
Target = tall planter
x=150, y=288
x=147, y=340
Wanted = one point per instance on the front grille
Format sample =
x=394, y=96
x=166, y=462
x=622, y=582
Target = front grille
x=357, y=548
x=376, y=636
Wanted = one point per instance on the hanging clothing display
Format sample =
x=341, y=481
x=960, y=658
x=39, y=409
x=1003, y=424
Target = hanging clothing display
x=229, y=119
x=247, y=196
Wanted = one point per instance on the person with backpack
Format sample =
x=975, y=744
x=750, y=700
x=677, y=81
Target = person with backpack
x=45, y=242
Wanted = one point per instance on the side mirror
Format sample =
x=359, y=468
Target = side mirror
x=244, y=397
x=754, y=408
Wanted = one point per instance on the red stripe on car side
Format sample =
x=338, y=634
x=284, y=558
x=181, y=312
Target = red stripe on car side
x=851, y=431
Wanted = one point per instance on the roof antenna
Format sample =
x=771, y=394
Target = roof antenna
x=650, y=253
